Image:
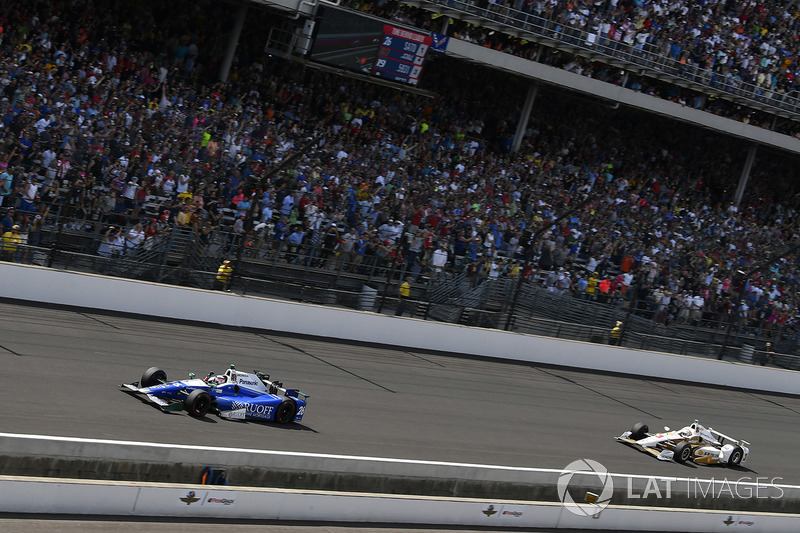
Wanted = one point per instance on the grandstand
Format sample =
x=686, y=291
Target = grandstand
x=654, y=175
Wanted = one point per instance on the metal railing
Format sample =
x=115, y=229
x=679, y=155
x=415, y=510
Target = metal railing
x=646, y=56
x=320, y=276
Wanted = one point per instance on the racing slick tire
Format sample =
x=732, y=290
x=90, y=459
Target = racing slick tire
x=152, y=376
x=285, y=412
x=198, y=403
x=639, y=431
x=683, y=452
x=736, y=456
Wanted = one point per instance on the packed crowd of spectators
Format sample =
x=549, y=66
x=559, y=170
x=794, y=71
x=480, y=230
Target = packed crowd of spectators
x=749, y=40
x=737, y=43
x=104, y=111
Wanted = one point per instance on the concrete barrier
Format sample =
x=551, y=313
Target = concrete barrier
x=38, y=284
x=39, y=455
x=48, y=496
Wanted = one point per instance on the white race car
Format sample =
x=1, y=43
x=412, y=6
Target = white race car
x=692, y=443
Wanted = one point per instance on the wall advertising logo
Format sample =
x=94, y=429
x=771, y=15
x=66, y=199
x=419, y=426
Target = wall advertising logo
x=735, y=522
x=220, y=501
x=501, y=511
x=594, y=504
x=205, y=498
x=190, y=498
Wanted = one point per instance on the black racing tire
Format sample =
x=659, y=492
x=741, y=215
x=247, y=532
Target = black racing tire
x=152, y=376
x=683, y=452
x=736, y=456
x=198, y=403
x=639, y=431
x=286, y=412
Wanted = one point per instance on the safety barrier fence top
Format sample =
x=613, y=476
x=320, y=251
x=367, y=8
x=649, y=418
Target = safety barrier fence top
x=371, y=283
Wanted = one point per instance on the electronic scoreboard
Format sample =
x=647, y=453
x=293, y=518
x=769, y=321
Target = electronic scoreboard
x=369, y=45
x=401, y=54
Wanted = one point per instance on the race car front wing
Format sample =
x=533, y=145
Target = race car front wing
x=164, y=405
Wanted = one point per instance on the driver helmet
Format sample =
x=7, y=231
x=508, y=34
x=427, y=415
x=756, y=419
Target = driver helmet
x=213, y=379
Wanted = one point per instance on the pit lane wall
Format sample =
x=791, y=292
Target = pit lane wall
x=37, y=284
x=48, y=496
x=733, y=491
x=737, y=490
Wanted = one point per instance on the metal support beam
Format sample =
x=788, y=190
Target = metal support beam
x=233, y=41
x=522, y=125
x=745, y=177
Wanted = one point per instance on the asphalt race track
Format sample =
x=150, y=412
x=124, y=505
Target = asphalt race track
x=62, y=370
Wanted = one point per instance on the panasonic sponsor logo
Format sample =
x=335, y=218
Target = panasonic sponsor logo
x=248, y=382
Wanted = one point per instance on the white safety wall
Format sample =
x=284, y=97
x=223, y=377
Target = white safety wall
x=48, y=496
x=97, y=292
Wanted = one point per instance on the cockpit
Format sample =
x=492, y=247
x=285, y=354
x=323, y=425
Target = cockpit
x=255, y=382
x=703, y=433
x=216, y=380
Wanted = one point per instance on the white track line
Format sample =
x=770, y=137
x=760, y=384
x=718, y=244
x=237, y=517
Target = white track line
x=358, y=458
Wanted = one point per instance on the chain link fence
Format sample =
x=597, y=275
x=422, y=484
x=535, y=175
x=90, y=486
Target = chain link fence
x=315, y=275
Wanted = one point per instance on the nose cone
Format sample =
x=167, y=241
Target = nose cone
x=164, y=389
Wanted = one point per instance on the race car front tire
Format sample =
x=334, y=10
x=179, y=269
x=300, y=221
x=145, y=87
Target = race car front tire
x=198, y=403
x=736, y=456
x=639, y=431
x=683, y=452
x=286, y=412
x=152, y=376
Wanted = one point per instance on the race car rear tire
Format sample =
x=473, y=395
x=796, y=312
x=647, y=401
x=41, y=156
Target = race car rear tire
x=736, y=456
x=286, y=412
x=152, y=376
x=198, y=403
x=683, y=452
x=639, y=431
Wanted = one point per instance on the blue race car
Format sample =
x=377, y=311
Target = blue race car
x=234, y=395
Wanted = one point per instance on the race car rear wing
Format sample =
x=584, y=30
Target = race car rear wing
x=296, y=393
x=276, y=387
x=722, y=438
